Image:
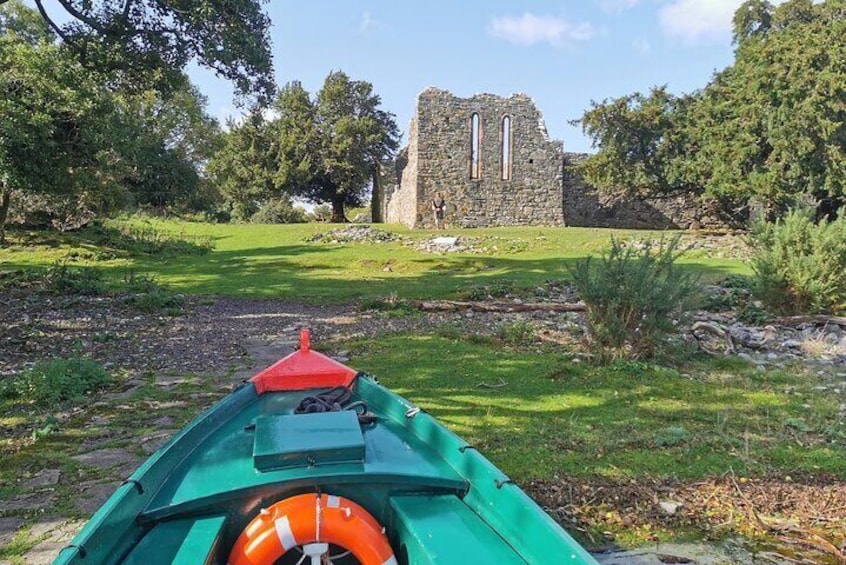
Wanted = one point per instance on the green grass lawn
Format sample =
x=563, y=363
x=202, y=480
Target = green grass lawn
x=276, y=261
x=557, y=417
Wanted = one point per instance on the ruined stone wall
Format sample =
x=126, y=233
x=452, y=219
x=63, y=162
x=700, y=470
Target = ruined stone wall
x=402, y=196
x=584, y=206
x=544, y=188
x=441, y=141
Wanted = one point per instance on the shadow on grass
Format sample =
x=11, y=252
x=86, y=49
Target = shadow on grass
x=317, y=272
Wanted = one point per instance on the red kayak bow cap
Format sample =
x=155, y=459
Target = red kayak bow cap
x=302, y=370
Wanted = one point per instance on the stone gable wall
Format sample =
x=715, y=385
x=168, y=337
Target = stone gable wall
x=544, y=188
x=443, y=150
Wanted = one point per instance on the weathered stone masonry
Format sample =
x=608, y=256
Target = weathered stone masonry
x=542, y=189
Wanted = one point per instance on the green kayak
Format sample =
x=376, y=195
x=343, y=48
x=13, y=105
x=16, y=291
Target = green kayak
x=312, y=463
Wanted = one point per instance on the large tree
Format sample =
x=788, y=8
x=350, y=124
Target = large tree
x=354, y=136
x=244, y=168
x=324, y=149
x=772, y=126
x=155, y=39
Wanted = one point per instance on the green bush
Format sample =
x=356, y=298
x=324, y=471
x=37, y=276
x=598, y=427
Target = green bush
x=64, y=279
x=279, y=211
x=517, y=334
x=148, y=240
x=634, y=297
x=149, y=296
x=54, y=382
x=799, y=265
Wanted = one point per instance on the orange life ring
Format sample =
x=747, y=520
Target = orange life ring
x=309, y=518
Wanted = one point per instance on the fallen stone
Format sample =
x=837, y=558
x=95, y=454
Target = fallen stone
x=47, y=550
x=41, y=528
x=163, y=422
x=153, y=442
x=445, y=241
x=670, y=507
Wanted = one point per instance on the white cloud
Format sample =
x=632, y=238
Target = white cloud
x=530, y=29
x=617, y=6
x=700, y=21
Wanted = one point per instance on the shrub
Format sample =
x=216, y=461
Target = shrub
x=64, y=279
x=517, y=334
x=149, y=241
x=799, y=265
x=279, y=211
x=634, y=297
x=149, y=296
x=50, y=383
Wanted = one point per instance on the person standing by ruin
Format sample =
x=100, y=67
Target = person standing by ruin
x=438, y=208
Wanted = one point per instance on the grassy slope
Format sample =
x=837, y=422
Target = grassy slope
x=621, y=420
x=276, y=261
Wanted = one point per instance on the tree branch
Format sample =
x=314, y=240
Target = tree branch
x=89, y=21
x=39, y=4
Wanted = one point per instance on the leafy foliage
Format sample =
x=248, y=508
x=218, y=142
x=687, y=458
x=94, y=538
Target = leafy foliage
x=799, y=264
x=147, y=295
x=62, y=278
x=151, y=41
x=634, y=298
x=279, y=211
x=325, y=150
x=244, y=167
x=52, y=383
x=58, y=129
x=772, y=126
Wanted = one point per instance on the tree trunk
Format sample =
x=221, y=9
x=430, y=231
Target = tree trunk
x=376, y=199
x=5, y=200
x=338, y=216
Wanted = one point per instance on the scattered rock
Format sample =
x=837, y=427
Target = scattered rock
x=171, y=380
x=163, y=422
x=670, y=507
x=57, y=538
x=354, y=234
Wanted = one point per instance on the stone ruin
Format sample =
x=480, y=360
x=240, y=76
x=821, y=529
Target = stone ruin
x=494, y=163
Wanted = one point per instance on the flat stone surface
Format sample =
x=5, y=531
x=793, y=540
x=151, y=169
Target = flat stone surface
x=29, y=501
x=92, y=497
x=155, y=440
x=8, y=528
x=45, y=478
x=57, y=538
x=107, y=458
